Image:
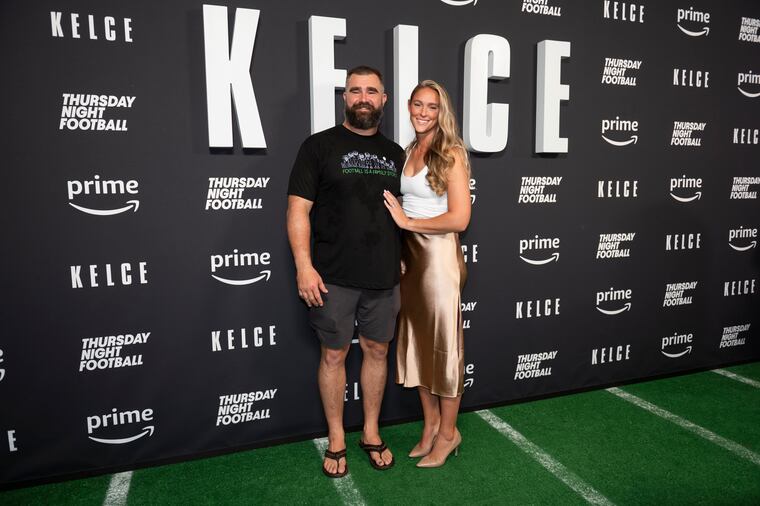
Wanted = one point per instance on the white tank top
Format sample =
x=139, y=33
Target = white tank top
x=420, y=201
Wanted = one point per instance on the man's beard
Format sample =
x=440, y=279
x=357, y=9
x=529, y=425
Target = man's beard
x=363, y=120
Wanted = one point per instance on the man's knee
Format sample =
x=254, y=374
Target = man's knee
x=373, y=349
x=333, y=358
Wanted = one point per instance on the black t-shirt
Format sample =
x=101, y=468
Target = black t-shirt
x=356, y=242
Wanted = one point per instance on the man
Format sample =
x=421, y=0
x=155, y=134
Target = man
x=339, y=176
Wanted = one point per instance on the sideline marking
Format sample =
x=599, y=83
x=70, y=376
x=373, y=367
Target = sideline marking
x=734, y=376
x=557, y=469
x=729, y=445
x=346, y=488
x=118, y=489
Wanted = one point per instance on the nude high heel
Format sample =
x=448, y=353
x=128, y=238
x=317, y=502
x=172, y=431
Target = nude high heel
x=452, y=446
x=418, y=451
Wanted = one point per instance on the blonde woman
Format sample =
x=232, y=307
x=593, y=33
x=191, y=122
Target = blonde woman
x=436, y=207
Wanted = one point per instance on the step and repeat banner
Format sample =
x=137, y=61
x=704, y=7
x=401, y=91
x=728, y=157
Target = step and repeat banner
x=151, y=310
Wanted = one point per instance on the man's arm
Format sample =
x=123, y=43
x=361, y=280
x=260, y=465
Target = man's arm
x=299, y=234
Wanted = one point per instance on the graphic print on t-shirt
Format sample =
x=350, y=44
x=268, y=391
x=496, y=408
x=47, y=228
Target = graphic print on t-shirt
x=365, y=163
x=356, y=242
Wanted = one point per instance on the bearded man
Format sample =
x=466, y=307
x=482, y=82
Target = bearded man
x=353, y=274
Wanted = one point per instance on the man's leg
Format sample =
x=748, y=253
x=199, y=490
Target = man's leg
x=332, y=387
x=373, y=376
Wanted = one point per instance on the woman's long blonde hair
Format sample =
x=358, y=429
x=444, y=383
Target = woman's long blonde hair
x=446, y=141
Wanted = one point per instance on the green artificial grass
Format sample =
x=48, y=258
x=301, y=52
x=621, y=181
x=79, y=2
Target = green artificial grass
x=488, y=469
x=751, y=371
x=286, y=474
x=722, y=405
x=625, y=453
x=85, y=492
x=632, y=456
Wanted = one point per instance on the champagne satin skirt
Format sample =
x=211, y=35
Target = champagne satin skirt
x=430, y=348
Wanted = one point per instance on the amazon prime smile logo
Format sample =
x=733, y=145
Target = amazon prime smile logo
x=621, y=127
x=460, y=3
x=118, y=418
x=540, y=245
x=104, y=188
x=748, y=78
x=614, y=301
x=696, y=22
x=742, y=239
x=677, y=345
x=686, y=189
x=238, y=266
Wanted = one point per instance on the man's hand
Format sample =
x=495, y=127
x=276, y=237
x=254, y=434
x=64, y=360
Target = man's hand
x=310, y=285
x=299, y=229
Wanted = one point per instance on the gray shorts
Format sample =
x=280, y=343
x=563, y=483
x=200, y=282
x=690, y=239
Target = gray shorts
x=374, y=312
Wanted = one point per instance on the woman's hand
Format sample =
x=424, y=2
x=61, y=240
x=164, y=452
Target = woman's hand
x=397, y=213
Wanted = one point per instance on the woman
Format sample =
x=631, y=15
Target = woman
x=436, y=207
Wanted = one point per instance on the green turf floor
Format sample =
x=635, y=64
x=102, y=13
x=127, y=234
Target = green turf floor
x=627, y=454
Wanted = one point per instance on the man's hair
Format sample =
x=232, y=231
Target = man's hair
x=364, y=70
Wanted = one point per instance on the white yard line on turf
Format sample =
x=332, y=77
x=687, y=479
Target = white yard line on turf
x=729, y=445
x=345, y=486
x=557, y=469
x=118, y=489
x=736, y=377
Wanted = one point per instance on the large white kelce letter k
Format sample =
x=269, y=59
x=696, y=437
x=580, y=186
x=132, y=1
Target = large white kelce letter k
x=228, y=76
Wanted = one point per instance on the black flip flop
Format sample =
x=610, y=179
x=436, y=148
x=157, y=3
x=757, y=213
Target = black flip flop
x=379, y=449
x=336, y=456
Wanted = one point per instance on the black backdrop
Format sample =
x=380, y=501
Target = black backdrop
x=161, y=397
